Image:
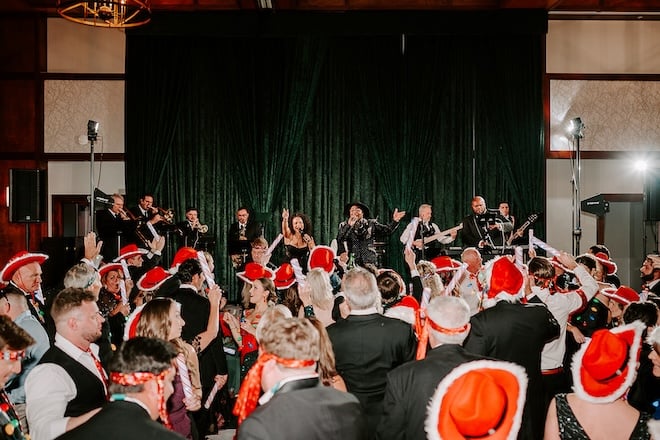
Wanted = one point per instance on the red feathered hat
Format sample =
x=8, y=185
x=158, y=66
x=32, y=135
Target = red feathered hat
x=623, y=295
x=504, y=277
x=444, y=263
x=153, y=279
x=254, y=271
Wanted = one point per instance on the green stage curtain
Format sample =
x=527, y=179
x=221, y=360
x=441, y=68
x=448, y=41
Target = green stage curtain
x=312, y=122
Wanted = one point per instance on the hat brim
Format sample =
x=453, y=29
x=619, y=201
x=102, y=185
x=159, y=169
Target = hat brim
x=13, y=265
x=283, y=285
x=440, y=424
x=610, y=292
x=365, y=209
x=132, y=254
x=597, y=391
x=110, y=266
x=141, y=281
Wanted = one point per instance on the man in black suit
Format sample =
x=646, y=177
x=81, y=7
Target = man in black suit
x=484, y=228
x=137, y=399
x=411, y=386
x=367, y=344
x=511, y=331
x=200, y=311
x=114, y=228
x=650, y=273
x=241, y=233
x=295, y=404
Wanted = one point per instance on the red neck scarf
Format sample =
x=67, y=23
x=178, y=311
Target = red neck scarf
x=248, y=395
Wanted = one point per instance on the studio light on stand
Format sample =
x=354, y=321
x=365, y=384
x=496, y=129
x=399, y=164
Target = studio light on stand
x=92, y=135
x=576, y=129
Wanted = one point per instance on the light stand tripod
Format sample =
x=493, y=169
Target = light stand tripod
x=577, y=132
x=92, y=134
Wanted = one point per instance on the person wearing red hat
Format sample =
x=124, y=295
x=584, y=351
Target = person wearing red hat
x=410, y=386
x=316, y=293
x=356, y=234
x=481, y=399
x=22, y=274
x=603, y=371
x=512, y=331
x=619, y=299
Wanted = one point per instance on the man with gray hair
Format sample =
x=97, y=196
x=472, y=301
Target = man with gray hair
x=367, y=344
x=295, y=403
x=411, y=386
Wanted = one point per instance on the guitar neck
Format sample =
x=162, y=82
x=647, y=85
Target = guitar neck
x=442, y=234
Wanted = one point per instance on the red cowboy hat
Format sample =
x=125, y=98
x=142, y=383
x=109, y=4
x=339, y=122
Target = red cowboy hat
x=110, y=266
x=284, y=277
x=153, y=279
x=623, y=295
x=480, y=399
x=608, y=265
x=504, y=277
x=254, y=271
x=405, y=310
x=17, y=261
x=322, y=257
x=444, y=263
x=130, y=251
x=183, y=254
x=606, y=365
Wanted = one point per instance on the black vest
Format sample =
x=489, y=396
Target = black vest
x=91, y=393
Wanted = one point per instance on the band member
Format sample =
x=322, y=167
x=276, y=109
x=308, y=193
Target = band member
x=428, y=241
x=145, y=208
x=241, y=233
x=356, y=235
x=191, y=228
x=115, y=228
x=484, y=228
x=505, y=212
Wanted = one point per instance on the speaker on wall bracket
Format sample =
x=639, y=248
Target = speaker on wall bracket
x=27, y=195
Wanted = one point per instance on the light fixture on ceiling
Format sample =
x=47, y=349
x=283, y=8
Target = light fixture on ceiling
x=106, y=13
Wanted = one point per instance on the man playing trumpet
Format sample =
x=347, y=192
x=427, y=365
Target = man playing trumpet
x=114, y=227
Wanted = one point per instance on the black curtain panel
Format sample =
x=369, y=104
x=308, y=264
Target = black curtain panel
x=310, y=112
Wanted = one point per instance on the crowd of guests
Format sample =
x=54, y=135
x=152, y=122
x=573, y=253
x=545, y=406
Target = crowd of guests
x=328, y=345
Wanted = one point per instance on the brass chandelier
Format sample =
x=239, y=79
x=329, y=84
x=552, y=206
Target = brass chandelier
x=106, y=13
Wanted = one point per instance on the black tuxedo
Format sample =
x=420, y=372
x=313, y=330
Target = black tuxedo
x=517, y=333
x=410, y=388
x=110, y=228
x=475, y=229
x=236, y=245
x=124, y=420
x=305, y=409
x=366, y=348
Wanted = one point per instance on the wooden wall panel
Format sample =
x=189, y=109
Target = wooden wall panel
x=18, y=131
x=18, y=43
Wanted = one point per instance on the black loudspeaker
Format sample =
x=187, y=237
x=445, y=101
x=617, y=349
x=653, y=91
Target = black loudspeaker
x=652, y=196
x=27, y=195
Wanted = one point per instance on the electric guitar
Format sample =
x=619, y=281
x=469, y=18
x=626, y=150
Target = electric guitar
x=442, y=234
x=519, y=232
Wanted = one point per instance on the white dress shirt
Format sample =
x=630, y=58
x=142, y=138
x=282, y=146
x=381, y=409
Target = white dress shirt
x=49, y=389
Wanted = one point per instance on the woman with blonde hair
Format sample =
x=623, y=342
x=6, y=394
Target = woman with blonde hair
x=161, y=318
x=317, y=294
